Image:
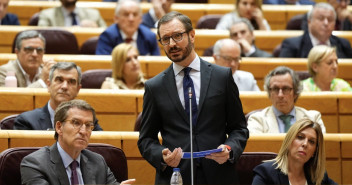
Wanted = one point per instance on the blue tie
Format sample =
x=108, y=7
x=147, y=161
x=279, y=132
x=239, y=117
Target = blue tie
x=73, y=16
x=187, y=82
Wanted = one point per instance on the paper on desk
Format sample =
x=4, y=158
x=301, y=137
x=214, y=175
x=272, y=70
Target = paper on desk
x=187, y=155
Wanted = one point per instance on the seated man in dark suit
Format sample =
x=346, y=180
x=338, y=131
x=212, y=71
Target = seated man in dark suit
x=128, y=29
x=160, y=8
x=63, y=85
x=67, y=161
x=7, y=18
x=321, y=23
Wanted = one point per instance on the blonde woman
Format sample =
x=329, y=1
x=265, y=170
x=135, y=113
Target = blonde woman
x=250, y=9
x=323, y=66
x=301, y=159
x=126, y=69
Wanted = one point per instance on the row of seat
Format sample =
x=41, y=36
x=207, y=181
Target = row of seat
x=338, y=150
x=118, y=110
x=153, y=65
x=265, y=40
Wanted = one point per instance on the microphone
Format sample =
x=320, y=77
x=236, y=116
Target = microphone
x=190, y=130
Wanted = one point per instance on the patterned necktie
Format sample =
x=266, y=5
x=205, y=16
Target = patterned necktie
x=187, y=82
x=287, y=121
x=74, y=176
x=73, y=17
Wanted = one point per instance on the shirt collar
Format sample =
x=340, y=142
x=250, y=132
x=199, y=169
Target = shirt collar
x=67, y=159
x=195, y=64
x=316, y=42
x=124, y=36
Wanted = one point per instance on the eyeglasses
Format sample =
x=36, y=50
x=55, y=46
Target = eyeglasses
x=285, y=90
x=230, y=59
x=30, y=49
x=177, y=37
x=77, y=124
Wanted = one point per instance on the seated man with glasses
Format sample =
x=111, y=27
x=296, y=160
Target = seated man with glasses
x=283, y=87
x=29, y=68
x=227, y=53
x=67, y=161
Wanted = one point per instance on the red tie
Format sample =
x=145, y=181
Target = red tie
x=128, y=40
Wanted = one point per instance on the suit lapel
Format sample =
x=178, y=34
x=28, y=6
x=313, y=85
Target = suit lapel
x=44, y=119
x=307, y=45
x=172, y=91
x=57, y=165
x=273, y=124
x=60, y=18
x=86, y=169
x=205, y=73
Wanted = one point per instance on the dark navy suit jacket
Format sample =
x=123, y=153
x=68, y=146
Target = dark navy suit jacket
x=38, y=119
x=282, y=2
x=266, y=173
x=299, y=47
x=10, y=19
x=146, y=41
x=148, y=21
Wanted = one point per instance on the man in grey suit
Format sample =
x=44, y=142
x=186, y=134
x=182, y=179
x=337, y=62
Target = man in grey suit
x=67, y=161
x=227, y=53
x=63, y=85
x=69, y=15
x=242, y=32
x=29, y=68
x=283, y=87
x=217, y=116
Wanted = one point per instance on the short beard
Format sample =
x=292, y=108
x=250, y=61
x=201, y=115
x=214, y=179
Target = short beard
x=187, y=52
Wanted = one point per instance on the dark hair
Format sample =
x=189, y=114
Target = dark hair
x=29, y=34
x=281, y=70
x=186, y=21
x=64, y=107
x=66, y=66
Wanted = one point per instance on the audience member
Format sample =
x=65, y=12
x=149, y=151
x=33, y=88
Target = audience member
x=63, y=85
x=160, y=8
x=301, y=159
x=344, y=16
x=219, y=123
x=128, y=29
x=289, y=2
x=242, y=32
x=126, y=70
x=67, y=161
x=227, y=54
x=69, y=15
x=284, y=88
x=322, y=65
x=29, y=67
x=321, y=23
x=250, y=9
x=7, y=18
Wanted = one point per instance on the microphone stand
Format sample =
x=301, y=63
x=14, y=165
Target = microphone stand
x=190, y=130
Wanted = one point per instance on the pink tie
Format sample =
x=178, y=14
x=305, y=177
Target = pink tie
x=74, y=177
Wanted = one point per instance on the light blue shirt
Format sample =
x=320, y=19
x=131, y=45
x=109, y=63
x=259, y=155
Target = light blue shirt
x=67, y=160
x=280, y=123
x=194, y=74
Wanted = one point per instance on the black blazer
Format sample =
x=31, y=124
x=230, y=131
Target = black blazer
x=38, y=119
x=219, y=114
x=299, y=47
x=266, y=173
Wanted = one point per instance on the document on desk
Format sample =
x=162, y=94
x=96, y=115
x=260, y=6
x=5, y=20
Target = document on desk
x=187, y=155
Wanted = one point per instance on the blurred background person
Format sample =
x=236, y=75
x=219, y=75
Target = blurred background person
x=128, y=28
x=227, y=53
x=289, y=2
x=323, y=66
x=301, y=159
x=159, y=9
x=7, y=18
x=250, y=9
x=126, y=69
x=344, y=16
x=69, y=15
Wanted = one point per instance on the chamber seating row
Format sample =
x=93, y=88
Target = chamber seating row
x=338, y=150
x=265, y=40
x=118, y=110
x=153, y=65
